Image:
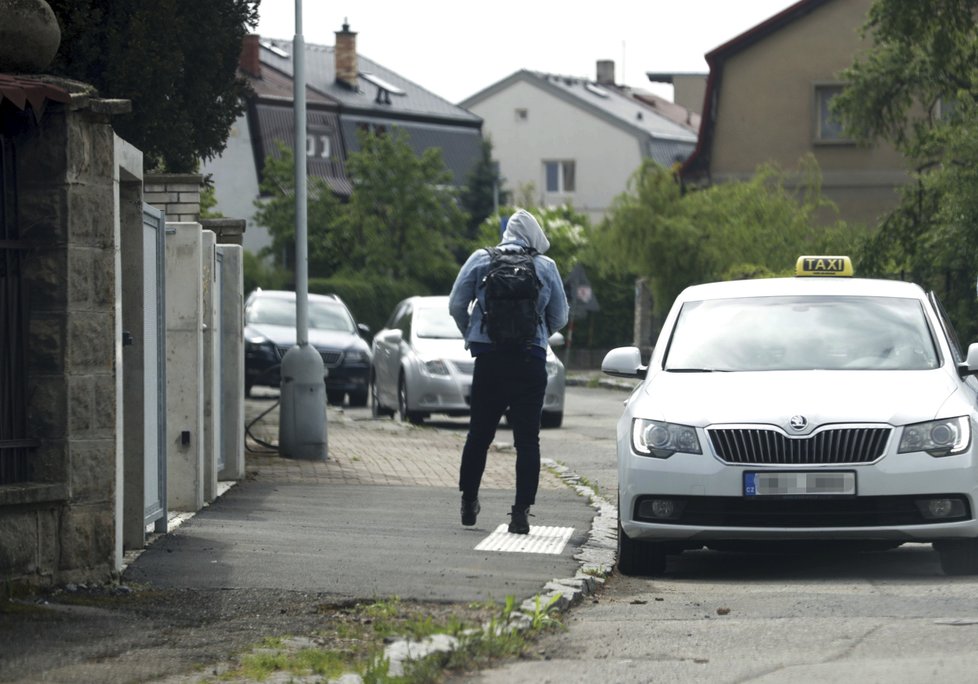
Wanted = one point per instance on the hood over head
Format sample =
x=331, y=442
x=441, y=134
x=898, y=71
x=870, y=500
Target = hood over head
x=522, y=227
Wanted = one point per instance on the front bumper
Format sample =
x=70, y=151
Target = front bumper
x=709, y=496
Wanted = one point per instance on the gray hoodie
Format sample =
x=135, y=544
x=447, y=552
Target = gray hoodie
x=522, y=230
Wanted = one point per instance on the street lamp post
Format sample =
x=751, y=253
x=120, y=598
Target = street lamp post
x=302, y=417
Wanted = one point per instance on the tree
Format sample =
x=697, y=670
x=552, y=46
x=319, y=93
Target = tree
x=327, y=248
x=729, y=230
x=483, y=191
x=402, y=219
x=176, y=61
x=916, y=88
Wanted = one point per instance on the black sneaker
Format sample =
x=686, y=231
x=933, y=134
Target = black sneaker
x=519, y=522
x=470, y=509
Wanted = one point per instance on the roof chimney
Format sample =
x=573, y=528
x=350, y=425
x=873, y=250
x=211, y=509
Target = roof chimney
x=248, y=60
x=606, y=72
x=346, y=56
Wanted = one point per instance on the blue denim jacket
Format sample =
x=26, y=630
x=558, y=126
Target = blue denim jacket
x=551, y=305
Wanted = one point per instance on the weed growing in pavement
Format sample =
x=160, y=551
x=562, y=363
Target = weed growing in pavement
x=541, y=617
x=581, y=480
x=274, y=656
x=355, y=637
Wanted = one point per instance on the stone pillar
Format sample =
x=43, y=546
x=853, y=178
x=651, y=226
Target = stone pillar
x=232, y=363
x=66, y=209
x=184, y=368
x=211, y=373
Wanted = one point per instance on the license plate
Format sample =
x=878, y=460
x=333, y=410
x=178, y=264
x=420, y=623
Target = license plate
x=838, y=483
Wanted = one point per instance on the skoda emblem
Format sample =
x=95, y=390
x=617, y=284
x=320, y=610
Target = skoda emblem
x=798, y=423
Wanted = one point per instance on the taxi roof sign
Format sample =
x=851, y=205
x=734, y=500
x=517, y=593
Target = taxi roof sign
x=823, y=266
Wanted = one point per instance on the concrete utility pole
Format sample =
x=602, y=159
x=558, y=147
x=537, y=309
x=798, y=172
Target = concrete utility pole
x=302, y=418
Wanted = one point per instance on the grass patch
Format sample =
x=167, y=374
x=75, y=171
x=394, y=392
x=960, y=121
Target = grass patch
x=355, y=637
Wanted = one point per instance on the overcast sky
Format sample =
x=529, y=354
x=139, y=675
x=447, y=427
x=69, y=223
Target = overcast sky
x=455, y=48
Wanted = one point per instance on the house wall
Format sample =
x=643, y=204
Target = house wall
x=689, y=90
x=605, y=156
x=236, y=184
x=766, y=111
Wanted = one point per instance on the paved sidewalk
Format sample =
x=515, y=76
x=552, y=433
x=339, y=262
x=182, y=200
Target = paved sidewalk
x=379, y=517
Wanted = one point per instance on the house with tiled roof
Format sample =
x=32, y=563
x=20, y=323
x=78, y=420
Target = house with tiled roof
x=345, y=92
x=571, y=140
x=768, y=99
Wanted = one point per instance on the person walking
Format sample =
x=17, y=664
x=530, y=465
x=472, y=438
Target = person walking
x=510, y=375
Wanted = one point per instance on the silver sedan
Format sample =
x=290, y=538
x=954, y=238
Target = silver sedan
x=421, y=366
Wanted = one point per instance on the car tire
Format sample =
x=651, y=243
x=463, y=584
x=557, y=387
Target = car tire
x=376, y=410
x=358, y=399
x=639, y=558
x=958, y=556
x=405, y=415
x=551, y=419
x=335, y=397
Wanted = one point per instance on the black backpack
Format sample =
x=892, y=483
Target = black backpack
x=512, y=289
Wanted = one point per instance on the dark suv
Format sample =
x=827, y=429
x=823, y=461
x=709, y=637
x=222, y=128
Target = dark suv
x=269, y=332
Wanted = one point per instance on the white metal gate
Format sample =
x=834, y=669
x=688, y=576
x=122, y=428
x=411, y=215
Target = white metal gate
x=154, y=364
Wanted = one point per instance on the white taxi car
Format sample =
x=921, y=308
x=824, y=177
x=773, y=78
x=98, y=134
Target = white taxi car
x=819, y=407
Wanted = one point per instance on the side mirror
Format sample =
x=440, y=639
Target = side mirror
x=394, y=336
x=556, y=340
x=364, y=329
x=624, y=362
x=970, y=365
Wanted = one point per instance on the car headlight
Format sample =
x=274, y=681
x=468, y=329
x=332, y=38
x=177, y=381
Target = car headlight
x=937, y=437
x=356, y=356
x=435, y=367
x=662, y=440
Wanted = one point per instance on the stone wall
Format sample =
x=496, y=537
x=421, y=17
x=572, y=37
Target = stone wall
x=60, y=527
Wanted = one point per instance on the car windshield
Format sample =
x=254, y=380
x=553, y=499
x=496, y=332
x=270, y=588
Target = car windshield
x=435, y=323
x=322, y=315
x=801, y=333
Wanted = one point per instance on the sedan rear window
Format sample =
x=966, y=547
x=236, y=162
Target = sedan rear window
x=802, y=333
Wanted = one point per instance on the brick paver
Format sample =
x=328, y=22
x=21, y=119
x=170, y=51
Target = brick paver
x=363, y=450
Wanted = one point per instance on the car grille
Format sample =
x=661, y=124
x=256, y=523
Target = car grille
x=771, y=447
x=331, y=358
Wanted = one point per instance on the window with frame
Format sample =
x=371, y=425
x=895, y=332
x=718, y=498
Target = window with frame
x=828, y=128
x=560, y=176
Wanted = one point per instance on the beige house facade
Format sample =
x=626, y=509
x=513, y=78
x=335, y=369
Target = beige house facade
x=767, y=100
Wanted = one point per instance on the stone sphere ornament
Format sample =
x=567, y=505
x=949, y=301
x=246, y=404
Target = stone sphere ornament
x=29, y=36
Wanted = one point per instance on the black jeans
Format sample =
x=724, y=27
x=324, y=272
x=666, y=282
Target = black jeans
x=513, y=382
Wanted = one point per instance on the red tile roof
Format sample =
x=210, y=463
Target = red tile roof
x=24, y=92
